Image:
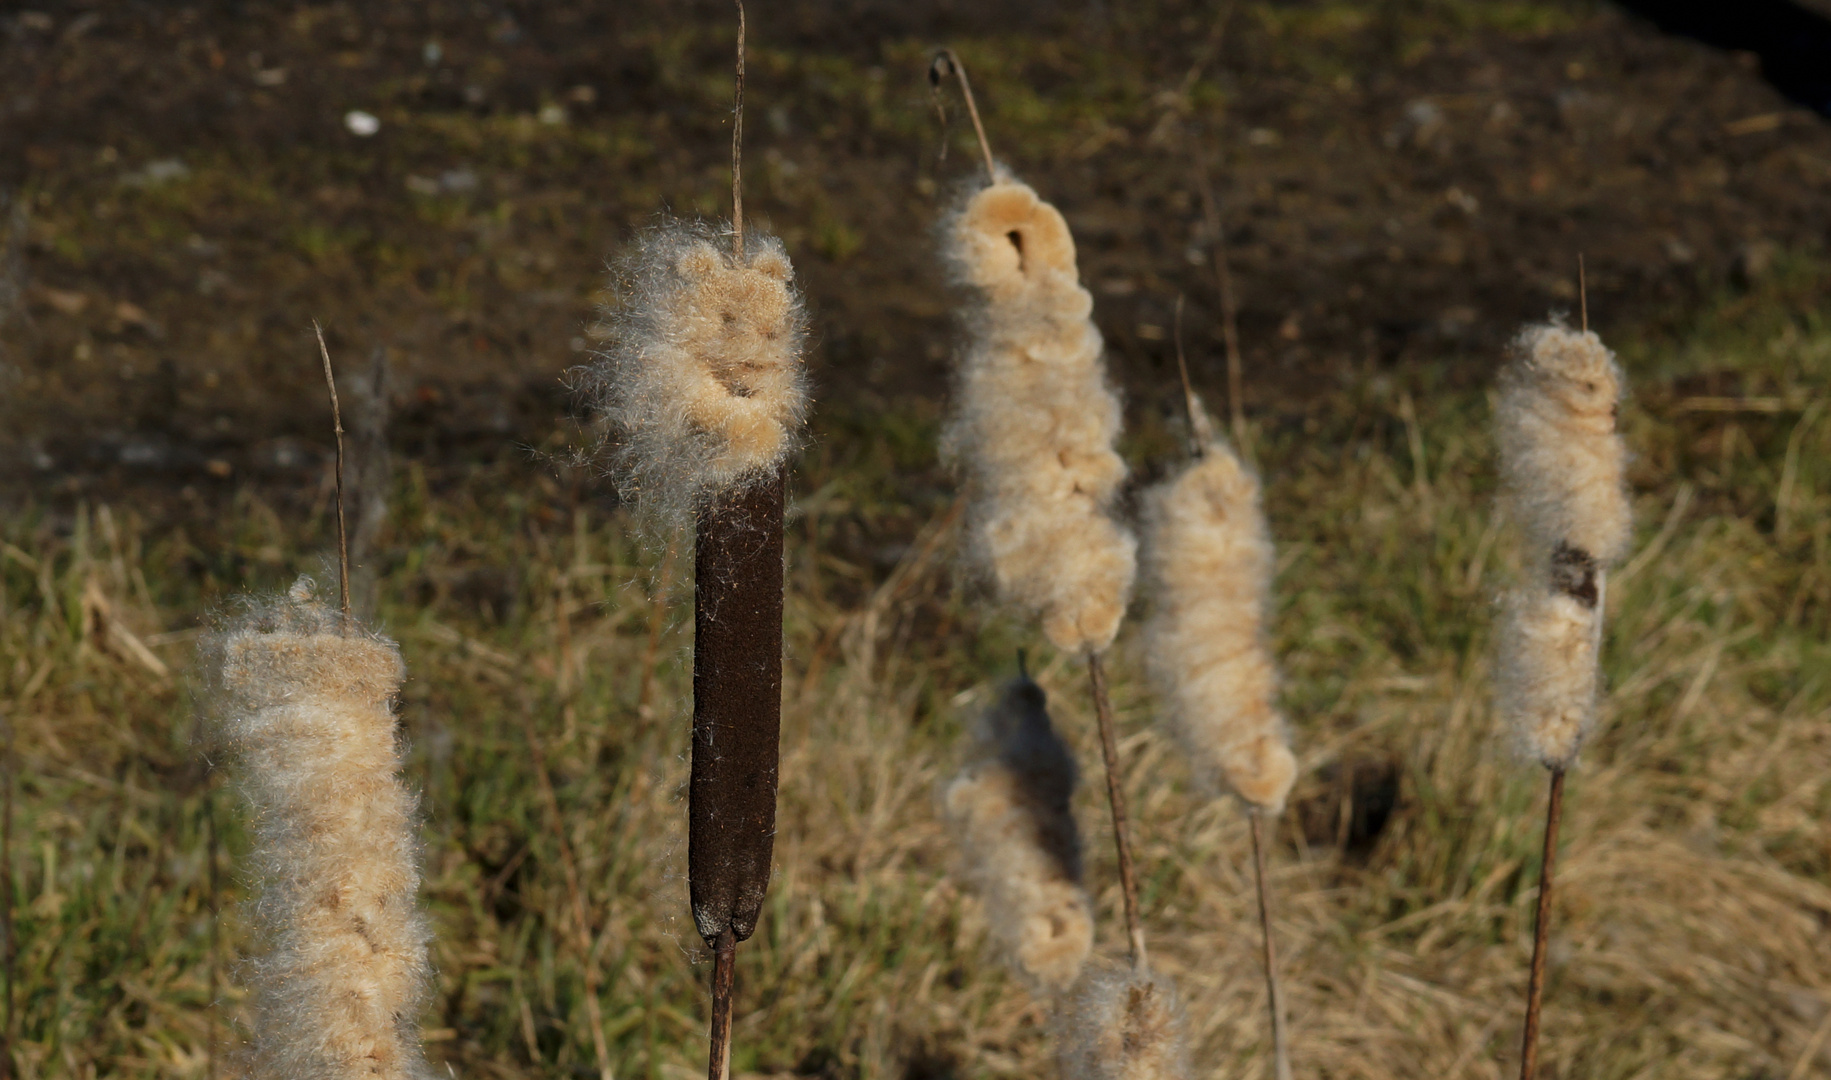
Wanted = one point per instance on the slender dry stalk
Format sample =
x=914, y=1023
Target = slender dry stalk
x=343, y=539
x=1541, y=936
x=7, y=772
x=575, y=893
x=944, y=64
x=214, y=847
x=1274, y=990
x=1115, y=800
x=1561, y=467
x=1230, y=308
x=1209, y=558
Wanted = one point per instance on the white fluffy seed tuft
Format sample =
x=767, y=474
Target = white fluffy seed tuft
x=1560, y=459
x=703, y=381
x=1010, y=816
x=1546, y=685
x=304, y=704
x=1034, y=420
x=1208, y=556
x=1121, y=1024
x=1561, y=465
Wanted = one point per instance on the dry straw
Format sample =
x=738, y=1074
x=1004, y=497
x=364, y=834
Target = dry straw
x=1033, y=428
x=705, y=387
x=304, y=703
x=1009, y=813
x=1561, y=470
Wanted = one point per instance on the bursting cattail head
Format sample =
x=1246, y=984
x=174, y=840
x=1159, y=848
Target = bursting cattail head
x=1546, y=684
x=1560, y=458
x=1209, y=556
x=304, y=703
x=1034, y=420
x=1561, y=466
x=1009, y=812
x=1122, y=1025
x=704, y=380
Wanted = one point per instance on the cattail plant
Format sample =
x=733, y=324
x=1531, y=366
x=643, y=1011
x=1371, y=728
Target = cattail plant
x=304, y=699
x=1033, y=430
x=1009, y=813
x=705, y=387
x=1208, y=558
x=1122, y=1024
x=1561, y=470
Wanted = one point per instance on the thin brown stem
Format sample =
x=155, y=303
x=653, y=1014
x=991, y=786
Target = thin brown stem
x=724, y=972
x=1115, y=796
x=1201, y=432
x=1583, y=292
x=737, y=147
x=6, y=894
x=1274, y=991
x=215, y=847
x=343, y=538
x=1230, y=311
x=1535, y=985
x=945, y=64
x=575, y=894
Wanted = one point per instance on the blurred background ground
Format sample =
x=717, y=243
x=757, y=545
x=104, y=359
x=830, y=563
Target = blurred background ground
x=1400, y=186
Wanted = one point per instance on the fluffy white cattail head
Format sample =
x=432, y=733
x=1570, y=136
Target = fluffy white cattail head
x=1209, y=558
x=1009, y=813
x=1122, y=1025
x=1035, y=420
x=1560, y=459
x=704, y=380
x=305, y=706
x=1546, y=687
x=1561, y=465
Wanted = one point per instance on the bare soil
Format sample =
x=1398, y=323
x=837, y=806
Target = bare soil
x=1401, y=185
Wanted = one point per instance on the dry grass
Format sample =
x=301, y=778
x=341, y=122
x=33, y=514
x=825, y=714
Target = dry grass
x=1690, y=932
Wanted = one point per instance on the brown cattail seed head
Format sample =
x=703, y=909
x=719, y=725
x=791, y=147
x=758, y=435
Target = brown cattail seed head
x=1122, y=1025
x=1009, y=812
x=1035, y=420
x=305, y=706
x=704, y=381
x=1209, y=557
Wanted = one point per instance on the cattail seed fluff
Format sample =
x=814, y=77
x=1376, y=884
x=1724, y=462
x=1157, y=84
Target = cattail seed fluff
x=305, y=707
x=1561, y=465
x=1560, y=458
x=1208, y=555
x=704, y=380
x=1122, y=1025
x=1035, y=420
x=1009, y=813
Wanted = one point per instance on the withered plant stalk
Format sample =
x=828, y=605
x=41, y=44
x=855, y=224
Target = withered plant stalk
x=343, y=540
x=1561, y=466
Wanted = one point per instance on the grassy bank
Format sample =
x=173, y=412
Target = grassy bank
x=1697, y=877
